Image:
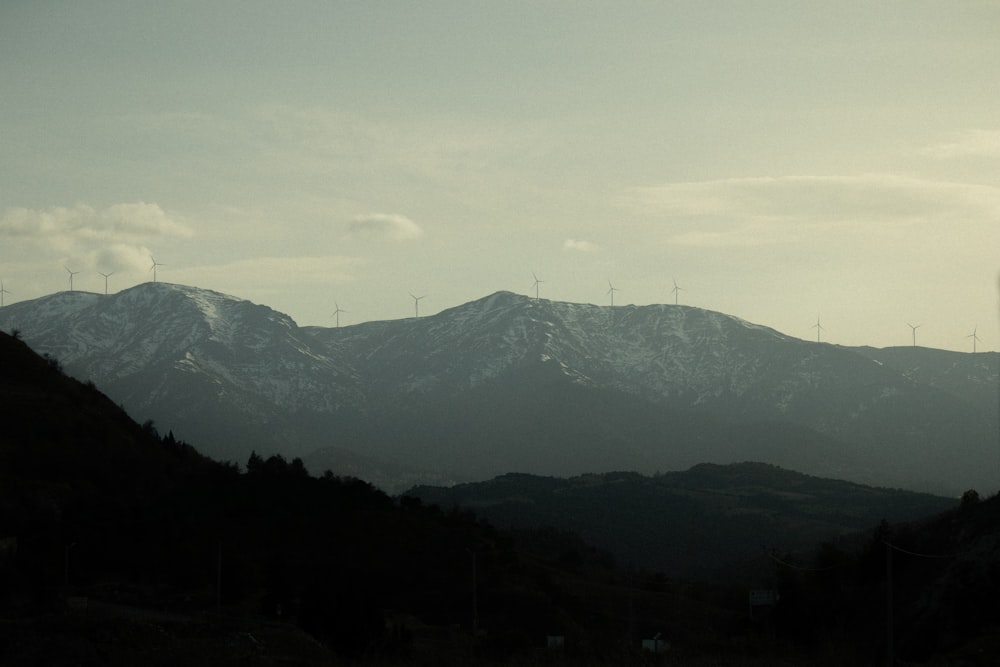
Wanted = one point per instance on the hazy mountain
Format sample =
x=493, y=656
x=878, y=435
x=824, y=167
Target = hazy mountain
x=697, y=522
x=509, y=383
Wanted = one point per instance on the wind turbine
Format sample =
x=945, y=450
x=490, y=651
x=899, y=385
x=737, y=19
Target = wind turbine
x=2, y=292
x=818, y=327
x=71, y=274
x=914, y=327
x=974, y=338
x=337, y=311
x=416, y=304
x=611, y=290
x=676, y=291
x=106, y=276
x=153, y=267
x=537, y=282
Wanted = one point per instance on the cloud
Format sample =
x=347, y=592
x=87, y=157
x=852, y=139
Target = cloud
x=272, y=272
x=578, y=245
x=112, y=239
x=145, y=220
x=382, y=226
x=118, y=257
x=971, y=143
x=760, y=211
x=62, y=227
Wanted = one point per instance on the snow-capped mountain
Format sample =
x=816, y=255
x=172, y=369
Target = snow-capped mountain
x=513, y=383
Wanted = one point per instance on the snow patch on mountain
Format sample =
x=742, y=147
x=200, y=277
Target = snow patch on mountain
x=180, y=352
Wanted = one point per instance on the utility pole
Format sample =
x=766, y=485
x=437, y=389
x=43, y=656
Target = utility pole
x=890, y=650
x=218, y=577
x=475, y=597
x=631, y=609
x=66, y=577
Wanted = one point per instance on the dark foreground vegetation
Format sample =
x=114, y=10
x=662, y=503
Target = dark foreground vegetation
x=119, y=546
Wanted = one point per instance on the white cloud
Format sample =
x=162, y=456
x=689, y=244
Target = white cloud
x=971, y=143
x=384, y=226
x=578, y=245
x=60, y=226
x=270, y=272
x=761, y=211
x=112, y=239
x=143, y=220
x=119, y=257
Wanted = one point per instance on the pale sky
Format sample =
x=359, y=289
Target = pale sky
x=782, y=161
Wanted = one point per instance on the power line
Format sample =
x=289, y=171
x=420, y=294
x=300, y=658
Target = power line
x=919, y=555
x=804, y=569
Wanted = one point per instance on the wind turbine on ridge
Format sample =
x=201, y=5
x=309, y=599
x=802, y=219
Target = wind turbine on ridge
x=611, y=290
x=974, y=338
x=71, y=274
x=818, y=327
x=914, y=327
x=416, y=304
x=3, y=291
x=153, y=267
x=336, y=312
x=537, y=282
x=106, y=276
x=676, y=291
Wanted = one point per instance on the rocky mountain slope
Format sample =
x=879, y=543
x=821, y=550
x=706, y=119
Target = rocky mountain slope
x=509, y=383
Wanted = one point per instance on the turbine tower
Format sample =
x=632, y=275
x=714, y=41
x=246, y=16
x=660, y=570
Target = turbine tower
x=914, y=327
x=106, y=276
x=336, y=312
x=537, y=283
x=71, y=274
x=818, y=327
x=416, y=304
x=676, y=291
x=153, y=267
x=3, y=291
x=974, y=338
x=611, y=290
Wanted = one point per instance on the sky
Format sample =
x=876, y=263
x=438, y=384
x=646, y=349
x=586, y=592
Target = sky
x=784, y=162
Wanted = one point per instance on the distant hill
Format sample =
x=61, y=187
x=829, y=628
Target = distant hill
x=509, y=383
x=698, y=523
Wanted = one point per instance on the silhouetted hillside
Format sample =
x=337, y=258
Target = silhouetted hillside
x=935, y=580
x=703, y=522
x=119, y=546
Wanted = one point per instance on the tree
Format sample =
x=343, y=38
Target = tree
x=255, y=463
x=970, y=498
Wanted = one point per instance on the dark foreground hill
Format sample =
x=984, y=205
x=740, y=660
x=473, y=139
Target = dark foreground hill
x=119, y=546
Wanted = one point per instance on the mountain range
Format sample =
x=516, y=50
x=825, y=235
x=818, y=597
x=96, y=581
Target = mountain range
x=508, y=383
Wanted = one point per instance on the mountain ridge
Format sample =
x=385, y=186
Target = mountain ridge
x=455, y=390
x=657, y=521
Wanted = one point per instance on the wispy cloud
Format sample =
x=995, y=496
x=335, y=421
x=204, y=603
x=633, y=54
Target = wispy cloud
x=136, y=220
x=114, y=237
x=971, y=143
x=578, y=245
x=384, y=226
x=759, y=211
x=272, y=272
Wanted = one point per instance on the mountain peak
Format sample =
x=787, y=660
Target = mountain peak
x=509, y=382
